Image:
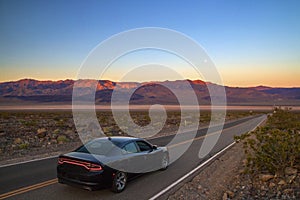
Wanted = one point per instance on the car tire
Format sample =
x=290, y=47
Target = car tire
x=119, y=182
x=164, y=161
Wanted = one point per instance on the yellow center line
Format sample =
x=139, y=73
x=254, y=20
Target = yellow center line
x=28, y=188
x=53, y=181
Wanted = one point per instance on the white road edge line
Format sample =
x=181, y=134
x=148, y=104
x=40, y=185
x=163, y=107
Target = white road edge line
x=197, y=168
x=190, y=173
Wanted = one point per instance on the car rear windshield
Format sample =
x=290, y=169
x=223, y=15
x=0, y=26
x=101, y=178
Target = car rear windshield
x=99, y=147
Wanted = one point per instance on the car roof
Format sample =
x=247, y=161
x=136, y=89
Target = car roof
x=119, y=140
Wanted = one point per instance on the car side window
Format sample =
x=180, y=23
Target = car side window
x=144, y=146
x=130, y=148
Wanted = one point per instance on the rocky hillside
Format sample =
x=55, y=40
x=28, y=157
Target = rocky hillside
x=60, y=92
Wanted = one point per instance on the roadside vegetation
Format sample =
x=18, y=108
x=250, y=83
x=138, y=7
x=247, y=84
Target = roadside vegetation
x=275, y=146
x=273, y=156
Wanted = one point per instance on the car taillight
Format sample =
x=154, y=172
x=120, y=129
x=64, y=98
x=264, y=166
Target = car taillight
x=94, y=167
x=60, y=161
x=89, y=166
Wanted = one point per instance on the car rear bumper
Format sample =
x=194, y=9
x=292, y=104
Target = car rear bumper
x=81, y=184
x=89, y=181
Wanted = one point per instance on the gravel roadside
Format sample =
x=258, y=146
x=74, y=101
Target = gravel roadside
x=215, y=179
x=225, y=178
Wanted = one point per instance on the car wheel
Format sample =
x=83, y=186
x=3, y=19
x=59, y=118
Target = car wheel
x=119, y=182
x=165, y=162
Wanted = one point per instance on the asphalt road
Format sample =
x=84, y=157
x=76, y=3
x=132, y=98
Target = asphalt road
x=33, y=175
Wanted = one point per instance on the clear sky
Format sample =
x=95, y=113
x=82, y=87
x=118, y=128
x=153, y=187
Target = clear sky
x=251, y=42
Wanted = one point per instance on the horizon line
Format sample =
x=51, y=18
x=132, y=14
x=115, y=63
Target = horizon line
x=154, y=81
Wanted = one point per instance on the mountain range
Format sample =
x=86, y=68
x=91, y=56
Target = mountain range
x=29, y=91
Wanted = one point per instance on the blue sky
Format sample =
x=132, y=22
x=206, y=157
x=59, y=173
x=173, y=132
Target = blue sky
x=251, y=42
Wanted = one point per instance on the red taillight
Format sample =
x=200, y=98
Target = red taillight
x=89, y=166
x=60, y=161
x=95, y=167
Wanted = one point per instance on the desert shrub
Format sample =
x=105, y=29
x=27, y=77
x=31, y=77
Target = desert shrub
x=284, y=120
x=30, y=123
x=275, y=146
x=24, y=146
x=62, y=139
x=61, y=123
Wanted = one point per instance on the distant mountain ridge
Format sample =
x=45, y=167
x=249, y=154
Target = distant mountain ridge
x=58, y=92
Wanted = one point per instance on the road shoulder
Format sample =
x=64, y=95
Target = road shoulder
x=215, y=179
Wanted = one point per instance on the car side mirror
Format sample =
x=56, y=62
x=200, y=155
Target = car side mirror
x=154, y=147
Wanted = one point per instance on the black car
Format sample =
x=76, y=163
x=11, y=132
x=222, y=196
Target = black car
x=110, y=161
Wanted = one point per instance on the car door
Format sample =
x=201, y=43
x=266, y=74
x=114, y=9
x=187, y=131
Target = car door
x=151, y=155
x=134, y=157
